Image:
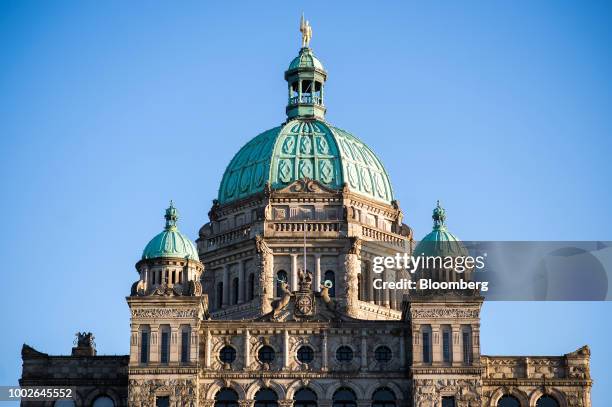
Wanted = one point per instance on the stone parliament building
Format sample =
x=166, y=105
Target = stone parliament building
x=274, y=305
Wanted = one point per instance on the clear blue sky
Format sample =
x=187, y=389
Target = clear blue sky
x=109, y=109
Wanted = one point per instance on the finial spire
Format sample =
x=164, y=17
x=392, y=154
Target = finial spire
x=439, y=216
x=171, y=216
x=306, y=31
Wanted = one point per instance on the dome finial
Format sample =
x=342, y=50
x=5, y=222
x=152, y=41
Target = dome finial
x=306, y=31
x=439, y=216
x=171, y=216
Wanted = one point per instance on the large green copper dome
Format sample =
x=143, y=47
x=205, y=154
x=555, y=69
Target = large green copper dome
x=171, y=242
x=440, y=241
x=305, y=148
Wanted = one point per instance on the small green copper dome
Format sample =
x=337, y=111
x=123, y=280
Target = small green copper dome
x=305, y=148
x=305, y=59
x=170, y=242
x=440, y=242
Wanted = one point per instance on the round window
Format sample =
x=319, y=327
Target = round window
x=266, y=354
x=305, y=354
x=227, y=354
x=344, y=354
x=382, y=354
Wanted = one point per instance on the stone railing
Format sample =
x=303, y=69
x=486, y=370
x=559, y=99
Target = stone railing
x=240, y=233
x=381, y=236
x=314, y=227
x=305, y=99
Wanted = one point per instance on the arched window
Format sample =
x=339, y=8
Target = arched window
x=508, y=401
x=185, y=344
x=547, y=401
x=235, y=288
x=280, y=277
x=331, y=276
x=103, y=401
x=266, y=354
x=266, y=398
x=305, y=398
x=219, y=295
x=64, y=403
x=344, y=397
x=383, y=397
x=251, y=286
x=226, y=397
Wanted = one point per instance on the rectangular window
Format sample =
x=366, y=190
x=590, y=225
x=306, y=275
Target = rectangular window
x=467, y=348
x=165, y=347
x=426, y=348
x=448, y=401
x=162, y=401
x=144, y=347
x=185, y=346
x=446, y=346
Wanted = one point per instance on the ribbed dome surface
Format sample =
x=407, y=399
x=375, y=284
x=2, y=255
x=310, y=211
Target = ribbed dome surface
x=171, y=242
x=305, y=148
x=305, y=59
x=440, y=242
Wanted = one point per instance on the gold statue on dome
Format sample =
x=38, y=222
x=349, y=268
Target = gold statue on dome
x=306, y=31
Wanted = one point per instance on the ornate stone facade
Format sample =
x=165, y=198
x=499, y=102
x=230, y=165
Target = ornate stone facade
x=282, y=296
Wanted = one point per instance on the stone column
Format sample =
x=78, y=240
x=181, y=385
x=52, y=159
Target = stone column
x=265, y=268
x=226, y=290
x=241, y=282
x=369, y=281
x=364, y=349
x=299, y=91
x=351, y=269
x=324, y=351
x=194, y=346
x=154, y=344
x=174, y=343
x=402, y=349
x=294, y=272
x=436, y=349
x=385, y=292
x=207, y=356
x=417, y=349
x=134, y=345
x=286, y=349
x=456, y=341
x=317, y=278
x=476, y=343
x=247, y=349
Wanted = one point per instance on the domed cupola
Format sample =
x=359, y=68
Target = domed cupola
x=305, y=78
x=170, y=242
x=440, y=241
x=306, y=145
x=169, y=263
